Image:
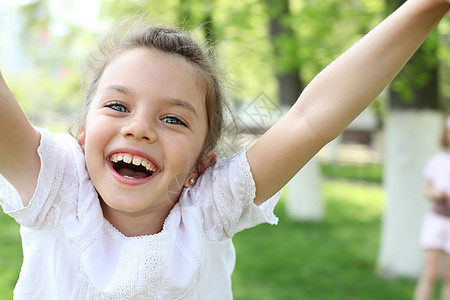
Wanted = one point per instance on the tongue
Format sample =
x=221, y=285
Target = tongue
x=127, y=172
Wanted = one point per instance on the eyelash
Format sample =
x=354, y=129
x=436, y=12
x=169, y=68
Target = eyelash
x=115, y=106
x=178, y=120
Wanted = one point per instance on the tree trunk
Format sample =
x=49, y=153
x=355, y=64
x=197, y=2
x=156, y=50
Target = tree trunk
x=304, y=198
x=304, y=201
x=290, y=84
x=411, y=138
x=413, y=130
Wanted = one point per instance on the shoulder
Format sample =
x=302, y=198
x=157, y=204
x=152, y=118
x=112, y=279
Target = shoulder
x=229, y=173
x=224, y=196
x=62, y=179
x=238, y=162
x=227, y=178
x=60, y=148
x=51, y=142
x=439, y=159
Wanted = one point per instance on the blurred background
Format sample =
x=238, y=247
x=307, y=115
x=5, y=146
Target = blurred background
x=350, y=220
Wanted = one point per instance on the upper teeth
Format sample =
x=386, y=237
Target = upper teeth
x=135, y=160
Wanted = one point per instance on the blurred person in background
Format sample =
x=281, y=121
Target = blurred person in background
x=435, y=236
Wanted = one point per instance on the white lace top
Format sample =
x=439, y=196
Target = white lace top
x=72, y=252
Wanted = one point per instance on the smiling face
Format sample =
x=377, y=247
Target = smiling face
x=144, y=131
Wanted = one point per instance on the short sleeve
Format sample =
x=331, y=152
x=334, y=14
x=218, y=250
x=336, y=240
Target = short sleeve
x=430, y=168
x=56, y=186
x=437, y=172
x=225, y=194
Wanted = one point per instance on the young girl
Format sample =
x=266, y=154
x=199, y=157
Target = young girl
x=435, y=237
x=129, y=209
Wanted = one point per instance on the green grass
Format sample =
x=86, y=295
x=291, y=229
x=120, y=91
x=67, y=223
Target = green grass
x=332, y=259
x=10, y=255
x=364, y=172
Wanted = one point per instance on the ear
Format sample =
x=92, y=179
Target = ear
x=208, y=160
x=81, y=137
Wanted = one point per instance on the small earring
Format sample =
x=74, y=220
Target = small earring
x=192, y=181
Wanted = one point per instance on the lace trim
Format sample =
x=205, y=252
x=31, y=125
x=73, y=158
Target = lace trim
x=225, y=193
x=56, y=189
x=169, y=223
x=137, y=278
x=143, y=272
x=9, y=199
x=83, y=290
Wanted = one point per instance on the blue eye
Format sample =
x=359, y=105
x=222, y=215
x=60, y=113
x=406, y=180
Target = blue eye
x=173, y=120
x=117, y=106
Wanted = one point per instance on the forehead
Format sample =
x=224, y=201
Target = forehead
x=152, y=74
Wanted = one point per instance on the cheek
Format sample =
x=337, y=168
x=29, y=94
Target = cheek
x=95, y=141
x=182, y=152
x=97, y=130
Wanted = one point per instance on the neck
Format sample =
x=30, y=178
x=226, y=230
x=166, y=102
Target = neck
x=131, y=224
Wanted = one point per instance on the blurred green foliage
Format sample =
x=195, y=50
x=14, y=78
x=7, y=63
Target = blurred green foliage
x=319, y=31
x=238, y=30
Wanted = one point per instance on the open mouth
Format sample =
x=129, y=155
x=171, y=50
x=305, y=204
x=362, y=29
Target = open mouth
x=130, y=166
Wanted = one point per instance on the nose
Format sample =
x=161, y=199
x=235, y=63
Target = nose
x=139, y=128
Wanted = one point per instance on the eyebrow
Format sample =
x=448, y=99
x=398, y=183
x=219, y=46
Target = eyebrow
x=182, y=103
x=171, y=101
x=119, y=88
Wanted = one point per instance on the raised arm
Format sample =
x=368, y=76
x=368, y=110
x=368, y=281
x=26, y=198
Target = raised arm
x=432, y=193
x=339, y=93
x=19, y=161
